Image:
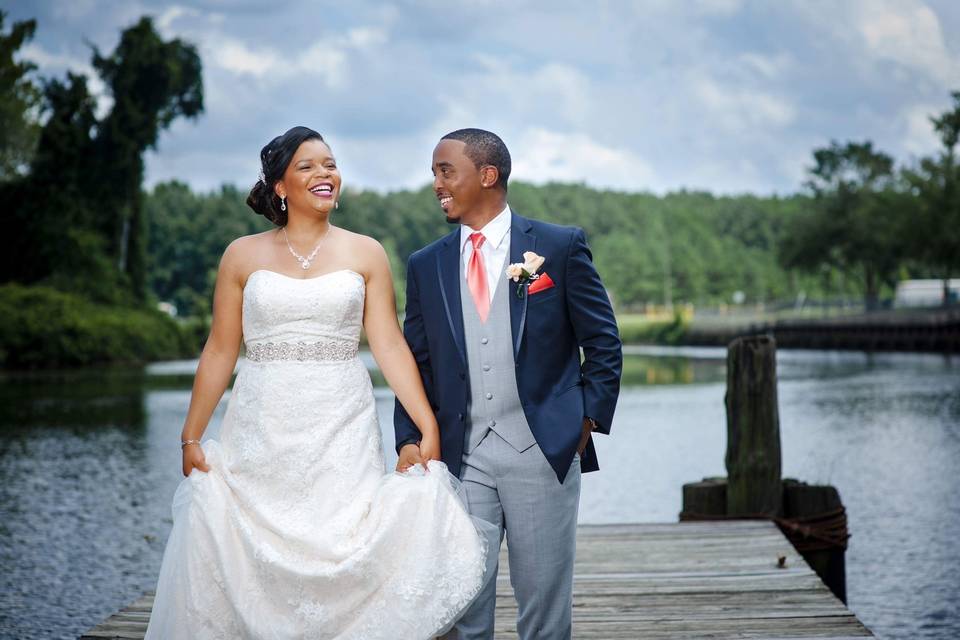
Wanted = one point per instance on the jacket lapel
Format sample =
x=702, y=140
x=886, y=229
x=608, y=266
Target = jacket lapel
x=448, y=274
x=520, y=240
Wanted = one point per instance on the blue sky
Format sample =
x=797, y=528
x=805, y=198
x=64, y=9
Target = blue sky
x=656, y=95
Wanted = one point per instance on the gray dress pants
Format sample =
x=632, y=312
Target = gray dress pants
x=519, y=492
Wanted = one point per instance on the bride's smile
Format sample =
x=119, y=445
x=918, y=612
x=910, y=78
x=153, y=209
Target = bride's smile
x=312, y=181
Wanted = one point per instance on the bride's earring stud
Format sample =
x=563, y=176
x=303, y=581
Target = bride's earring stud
x=336, y=205
x=283, y=203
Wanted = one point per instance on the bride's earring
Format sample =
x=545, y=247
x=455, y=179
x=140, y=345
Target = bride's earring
x=283, y=203
x=336, y=205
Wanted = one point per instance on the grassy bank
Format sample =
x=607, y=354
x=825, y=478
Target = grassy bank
x=41, y=327
x=638, y=329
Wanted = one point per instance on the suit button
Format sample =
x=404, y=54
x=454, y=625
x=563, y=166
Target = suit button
x=463, y=375
x=486, y=367
x=460, y=417
x=492, y=423
x=484, y=341
x=489, y=396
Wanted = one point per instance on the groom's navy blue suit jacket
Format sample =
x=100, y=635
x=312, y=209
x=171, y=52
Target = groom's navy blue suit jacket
x=549, y=329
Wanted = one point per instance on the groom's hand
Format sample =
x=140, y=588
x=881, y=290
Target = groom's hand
x=585, y=435
x=409, y=456
x=430, y=448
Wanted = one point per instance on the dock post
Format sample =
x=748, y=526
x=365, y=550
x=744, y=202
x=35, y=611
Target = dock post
x=753, y=428
x=811, y=516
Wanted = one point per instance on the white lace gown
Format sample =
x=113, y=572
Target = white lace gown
x=297, y=531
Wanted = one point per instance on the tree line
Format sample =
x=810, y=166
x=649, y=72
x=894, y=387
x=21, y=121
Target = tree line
x=858, y=228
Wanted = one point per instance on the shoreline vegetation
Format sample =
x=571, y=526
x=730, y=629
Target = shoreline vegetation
x=42, y=328
x=97, y=256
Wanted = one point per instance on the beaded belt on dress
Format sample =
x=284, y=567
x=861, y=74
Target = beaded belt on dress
x=326, y=350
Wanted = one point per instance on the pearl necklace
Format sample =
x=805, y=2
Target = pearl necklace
x=305, y=262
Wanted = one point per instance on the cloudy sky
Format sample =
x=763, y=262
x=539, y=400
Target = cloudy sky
x=650, y=95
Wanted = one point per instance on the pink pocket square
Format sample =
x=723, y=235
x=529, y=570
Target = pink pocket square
x=540, y=284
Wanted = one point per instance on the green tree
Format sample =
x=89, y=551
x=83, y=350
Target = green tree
x=187, y=234
x=855, y=223
x=152, y=82
x=51, y=207
x=19, y=101
x=936, y=232
x=80, y=208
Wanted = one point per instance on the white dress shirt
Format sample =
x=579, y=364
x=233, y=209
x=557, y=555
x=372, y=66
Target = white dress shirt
x=495, y=247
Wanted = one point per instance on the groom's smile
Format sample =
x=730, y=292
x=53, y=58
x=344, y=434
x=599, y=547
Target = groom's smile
x=457, y=182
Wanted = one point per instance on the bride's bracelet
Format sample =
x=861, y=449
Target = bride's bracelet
x=184, y=443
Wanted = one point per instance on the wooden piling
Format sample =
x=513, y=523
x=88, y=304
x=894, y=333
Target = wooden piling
x=811, y=516
x=815, y=521
x=753, y=428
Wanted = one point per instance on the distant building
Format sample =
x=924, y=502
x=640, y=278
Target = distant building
x=924, y=293
x=168, y=308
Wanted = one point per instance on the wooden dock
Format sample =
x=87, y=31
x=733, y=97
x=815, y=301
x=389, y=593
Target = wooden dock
x=664, y=581
x=936, y=331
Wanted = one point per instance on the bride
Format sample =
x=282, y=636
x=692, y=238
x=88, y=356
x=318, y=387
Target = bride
x=289, y=526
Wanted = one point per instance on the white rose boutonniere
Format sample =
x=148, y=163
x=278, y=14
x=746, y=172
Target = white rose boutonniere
x=526, y=272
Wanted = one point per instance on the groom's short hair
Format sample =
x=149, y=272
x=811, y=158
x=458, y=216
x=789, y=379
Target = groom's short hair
x=484, y=148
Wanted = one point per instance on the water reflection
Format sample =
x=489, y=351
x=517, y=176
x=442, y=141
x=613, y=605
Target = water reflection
x=87, y=399
x=641, y=370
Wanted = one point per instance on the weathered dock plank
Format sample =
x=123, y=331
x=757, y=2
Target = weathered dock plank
x=664, y=581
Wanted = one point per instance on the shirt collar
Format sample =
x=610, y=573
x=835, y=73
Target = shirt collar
x=494, y=231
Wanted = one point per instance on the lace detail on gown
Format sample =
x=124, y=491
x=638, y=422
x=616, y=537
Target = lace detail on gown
x=298, y=531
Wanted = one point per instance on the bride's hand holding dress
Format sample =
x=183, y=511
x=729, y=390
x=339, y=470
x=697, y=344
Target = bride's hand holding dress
x=193, y=458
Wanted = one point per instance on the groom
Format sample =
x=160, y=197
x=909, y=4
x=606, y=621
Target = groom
x=500, y=360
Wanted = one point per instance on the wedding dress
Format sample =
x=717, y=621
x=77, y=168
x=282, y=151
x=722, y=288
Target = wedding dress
x=297, y=531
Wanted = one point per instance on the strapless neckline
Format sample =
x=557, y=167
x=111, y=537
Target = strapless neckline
x=319, y=277
x=279, y=308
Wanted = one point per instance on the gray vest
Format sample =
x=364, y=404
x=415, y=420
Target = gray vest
x=494, y=402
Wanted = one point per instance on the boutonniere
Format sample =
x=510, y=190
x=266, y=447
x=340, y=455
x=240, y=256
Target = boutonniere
x=526, y=272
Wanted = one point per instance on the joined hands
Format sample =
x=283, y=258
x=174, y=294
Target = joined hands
x=411, y=454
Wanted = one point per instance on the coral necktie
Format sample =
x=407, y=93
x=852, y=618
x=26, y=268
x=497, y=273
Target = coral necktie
x=477, y=278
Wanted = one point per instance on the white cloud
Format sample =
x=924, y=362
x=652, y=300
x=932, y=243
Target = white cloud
x=907, y=33
x=366, y=38
x=326, y=58
x=55, y=64
x=919, y=137
x=48, y=60
x=697, y=7
x=236, y=57
x=542, y=155
x=550, y=91
x=741, y=109
x=720, y=7
x=164, y=21
x=74, y=10
x=769, y=67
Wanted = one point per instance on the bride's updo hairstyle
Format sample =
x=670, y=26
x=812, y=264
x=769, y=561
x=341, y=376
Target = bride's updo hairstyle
x=274, y=160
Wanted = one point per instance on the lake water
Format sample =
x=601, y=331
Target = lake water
x=89, y=461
